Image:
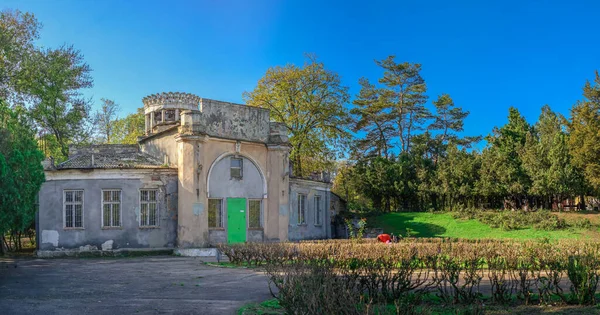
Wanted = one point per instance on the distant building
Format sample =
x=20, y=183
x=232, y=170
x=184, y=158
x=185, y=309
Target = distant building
x=205, y=172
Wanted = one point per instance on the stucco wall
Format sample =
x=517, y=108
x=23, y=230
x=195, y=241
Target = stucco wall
x=200, y=160
x=161, y=145
x=221, y=185
x=51, y=226
x=309, y=230
x=234, y=121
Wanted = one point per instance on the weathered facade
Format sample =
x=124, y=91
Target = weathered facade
x=205, y=172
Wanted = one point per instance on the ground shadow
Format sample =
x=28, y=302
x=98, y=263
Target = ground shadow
x=398, y=224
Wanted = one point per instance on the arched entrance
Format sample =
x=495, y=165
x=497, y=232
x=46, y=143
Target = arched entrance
x=236, y=191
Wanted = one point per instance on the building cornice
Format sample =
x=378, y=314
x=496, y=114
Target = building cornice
x=193, y=137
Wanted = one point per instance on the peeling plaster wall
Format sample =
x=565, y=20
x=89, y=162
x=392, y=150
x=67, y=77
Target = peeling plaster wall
x=130, y=235
x=234, y=121
x=309, y=230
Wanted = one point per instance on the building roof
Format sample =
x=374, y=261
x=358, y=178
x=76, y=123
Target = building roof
x=110, y=160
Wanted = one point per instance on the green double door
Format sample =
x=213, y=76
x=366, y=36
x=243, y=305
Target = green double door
x=236, y=220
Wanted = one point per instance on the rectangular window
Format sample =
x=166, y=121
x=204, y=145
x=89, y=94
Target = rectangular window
x=254, y=213
x=111, y=208
x=148, y=207
x=301, y=209
x=73, y=208
x=318, y=211
x=237, y=166
x=215, y=213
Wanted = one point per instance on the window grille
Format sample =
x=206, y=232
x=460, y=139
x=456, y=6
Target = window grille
x=215, y=211
x=301, y=209
x=254, y=213
x=237, y=166
x=111, y=208
x=148, y=207
x=318, y=211
x=73, y=208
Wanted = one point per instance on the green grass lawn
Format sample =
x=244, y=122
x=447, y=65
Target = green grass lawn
x=424, y=224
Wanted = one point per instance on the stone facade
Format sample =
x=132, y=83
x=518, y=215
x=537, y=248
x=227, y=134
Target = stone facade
x=220, y=171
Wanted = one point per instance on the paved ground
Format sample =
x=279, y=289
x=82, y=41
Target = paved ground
x=145, y=285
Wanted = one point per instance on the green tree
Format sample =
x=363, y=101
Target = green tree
x=127, y=130
x=457, y=175
x=21, y=172
x=584, y=140
x=47, y=81
x=404, y=92
x=57, y=106
x=448, y=121
x=373, y=118
x=309, y=101
x=502, y=172
x=18, y=30
x=547, y=161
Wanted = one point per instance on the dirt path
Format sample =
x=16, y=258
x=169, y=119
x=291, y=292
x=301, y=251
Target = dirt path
x=146, y=285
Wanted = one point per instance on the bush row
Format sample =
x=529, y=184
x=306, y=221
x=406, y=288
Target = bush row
x=514, y=220
x=358, y=277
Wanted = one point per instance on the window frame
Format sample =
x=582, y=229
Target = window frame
x=260, y=214
x=241, y=167
x=148, y=202
x=221, y=223
x=318, y=210
x=120, y=226
x=73, y=203
x=301, y=206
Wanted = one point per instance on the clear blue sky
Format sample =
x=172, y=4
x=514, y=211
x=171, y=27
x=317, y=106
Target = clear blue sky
x=488, y=55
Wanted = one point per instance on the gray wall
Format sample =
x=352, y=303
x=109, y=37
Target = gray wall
x=309, y=230
x=51, y=227
x=234, y=121
x=221, y=185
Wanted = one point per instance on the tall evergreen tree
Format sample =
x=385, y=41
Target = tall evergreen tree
x=502, y=168
x=372, y=117
x=404, y=92
x=21, y=172
x=584, y=140
x=448, y=121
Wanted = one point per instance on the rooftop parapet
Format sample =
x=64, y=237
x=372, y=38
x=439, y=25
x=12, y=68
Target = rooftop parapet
x=175, y=99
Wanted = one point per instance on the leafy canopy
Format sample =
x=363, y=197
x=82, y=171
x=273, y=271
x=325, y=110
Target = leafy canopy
x=310, y=101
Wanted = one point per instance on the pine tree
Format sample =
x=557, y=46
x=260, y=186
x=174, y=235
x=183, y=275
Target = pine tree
x=373, y=118
x=584, y=140
x=404, y=93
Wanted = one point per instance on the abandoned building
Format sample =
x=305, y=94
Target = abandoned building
x=205, y=172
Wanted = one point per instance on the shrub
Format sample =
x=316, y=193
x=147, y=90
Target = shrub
x=365, y=277
x=514, y=220
x=583, y=274
x=582, y=223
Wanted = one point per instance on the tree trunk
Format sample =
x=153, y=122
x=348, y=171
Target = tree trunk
x=3, y=248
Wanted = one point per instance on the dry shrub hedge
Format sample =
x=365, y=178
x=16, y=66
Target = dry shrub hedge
x=365, y=277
